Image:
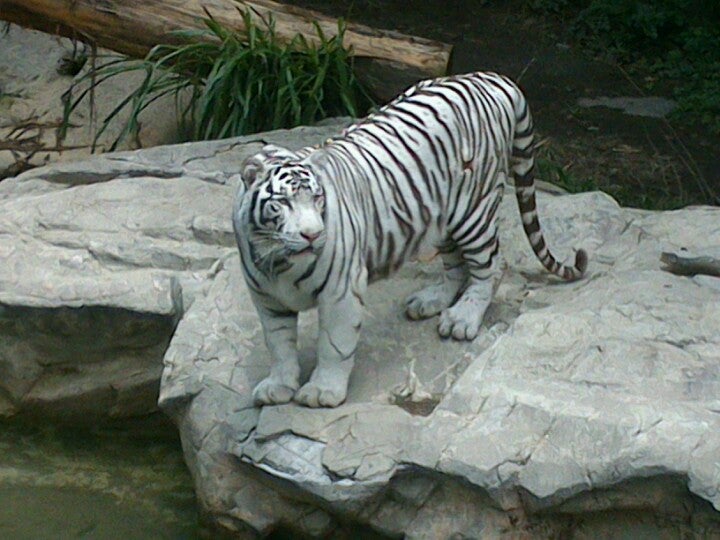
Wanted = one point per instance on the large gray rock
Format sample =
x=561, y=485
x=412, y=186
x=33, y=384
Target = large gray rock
x=595, y=396
x=100, y=260
x=599, y=396
x=588, y=408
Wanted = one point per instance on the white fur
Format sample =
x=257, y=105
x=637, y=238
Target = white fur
x=315, y=226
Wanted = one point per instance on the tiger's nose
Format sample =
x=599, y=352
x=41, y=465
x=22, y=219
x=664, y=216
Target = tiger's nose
x=310, y=236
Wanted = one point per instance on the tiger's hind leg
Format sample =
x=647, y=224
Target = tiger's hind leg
x=431, y=300
x=478, y=245
x=462, y=321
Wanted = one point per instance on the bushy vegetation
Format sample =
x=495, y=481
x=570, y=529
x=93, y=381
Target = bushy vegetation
x=228, y=83
x=678, y=41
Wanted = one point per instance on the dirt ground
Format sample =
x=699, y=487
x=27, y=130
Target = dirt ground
x=642, y=161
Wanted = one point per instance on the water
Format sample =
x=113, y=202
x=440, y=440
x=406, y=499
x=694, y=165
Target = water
x=126, y=481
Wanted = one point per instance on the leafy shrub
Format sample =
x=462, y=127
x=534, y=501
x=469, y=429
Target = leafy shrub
x=696, y=68
x=629, y=29
x=228, y=83
x=678, y=40
x=550, y=6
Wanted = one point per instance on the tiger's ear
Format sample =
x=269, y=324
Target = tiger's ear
x=255, y=167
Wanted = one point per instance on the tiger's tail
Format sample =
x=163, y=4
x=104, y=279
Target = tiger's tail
x=523, y=168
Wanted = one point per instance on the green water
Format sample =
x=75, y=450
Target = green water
x=125, y=481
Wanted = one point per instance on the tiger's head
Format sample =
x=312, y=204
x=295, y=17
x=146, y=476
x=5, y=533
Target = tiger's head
x=286, y=209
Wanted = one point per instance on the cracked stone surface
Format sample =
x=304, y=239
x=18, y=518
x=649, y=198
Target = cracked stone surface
x=595, y=396
x=100, y=260
x=589, y=408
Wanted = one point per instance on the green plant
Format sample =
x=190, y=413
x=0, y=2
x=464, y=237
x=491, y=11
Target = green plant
x=553, y=172
x=678, y=41
x=549, y=6
x=695, y=65
x=228, y=83
x=627, y=29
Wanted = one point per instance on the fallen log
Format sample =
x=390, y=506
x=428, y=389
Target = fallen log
x=386, y=61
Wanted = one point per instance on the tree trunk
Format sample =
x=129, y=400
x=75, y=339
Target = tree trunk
x=387, y=61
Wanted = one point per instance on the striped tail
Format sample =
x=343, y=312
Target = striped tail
x=523, y=167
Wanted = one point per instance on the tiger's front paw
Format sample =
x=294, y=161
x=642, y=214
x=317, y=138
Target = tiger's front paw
x=271, y=391
x=462, y=322
x=314, y=394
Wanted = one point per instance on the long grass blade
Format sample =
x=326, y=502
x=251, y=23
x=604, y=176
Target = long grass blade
x=234, y=82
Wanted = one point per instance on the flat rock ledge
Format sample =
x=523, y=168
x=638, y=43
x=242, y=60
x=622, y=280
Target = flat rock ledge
x=583, y=409
x=100, y=259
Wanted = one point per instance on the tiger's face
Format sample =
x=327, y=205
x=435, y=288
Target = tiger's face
x=286, y=210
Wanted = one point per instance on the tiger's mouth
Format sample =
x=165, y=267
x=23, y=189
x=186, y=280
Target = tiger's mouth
x=309, y=248
x=304, y=251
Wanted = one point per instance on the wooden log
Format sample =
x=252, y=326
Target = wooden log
x=690, y=266
x=387, y=61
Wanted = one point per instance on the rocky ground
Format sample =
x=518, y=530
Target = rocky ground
x=584, y=408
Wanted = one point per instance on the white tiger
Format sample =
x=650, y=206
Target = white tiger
x=314, y=227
